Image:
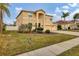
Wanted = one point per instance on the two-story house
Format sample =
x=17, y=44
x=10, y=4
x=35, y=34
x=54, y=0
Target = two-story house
x=36, y=17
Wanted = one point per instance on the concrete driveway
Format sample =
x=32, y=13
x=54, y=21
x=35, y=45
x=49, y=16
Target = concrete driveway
x=68, y=32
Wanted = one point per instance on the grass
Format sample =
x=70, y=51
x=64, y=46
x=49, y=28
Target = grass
x=71, y=52
x=12, y=43
x=74, y=30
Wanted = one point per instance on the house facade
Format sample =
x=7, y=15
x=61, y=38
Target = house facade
x=67, y=24
x=36, y=17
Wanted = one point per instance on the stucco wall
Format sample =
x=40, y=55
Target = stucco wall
x=12, y=28
x=25, y=19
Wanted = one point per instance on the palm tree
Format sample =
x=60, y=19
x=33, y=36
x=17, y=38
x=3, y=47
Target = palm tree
x=3, y=9
x=76, y=16
x=64, y=15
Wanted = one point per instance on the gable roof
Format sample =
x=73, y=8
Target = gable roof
x=66, y=22
x=49, y=15
x=62, y=22
x=40, y=10
x=24, y=11
x=32, y=12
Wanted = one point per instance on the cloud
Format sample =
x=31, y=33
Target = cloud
x=55, y=17
x=9, y=21
x=73, y=13
x=70, y=17
x=65, y=11
x=72, y=4
x=18, y=9
x=51, y=14
x=65, y=7
x=54, y=14
x=57, y=10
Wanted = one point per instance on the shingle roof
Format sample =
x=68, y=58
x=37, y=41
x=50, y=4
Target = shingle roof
x=65, y=22
x=32, y=12
x=62, y=22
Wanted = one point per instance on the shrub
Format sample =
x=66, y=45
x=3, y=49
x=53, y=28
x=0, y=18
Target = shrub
x=4, y=27
x=39, y=30
x=59, y=27
x=78, y=25
x=23, y=28
x=34, y=30
x=29, y=27
x=68, y=28
x=47, y=31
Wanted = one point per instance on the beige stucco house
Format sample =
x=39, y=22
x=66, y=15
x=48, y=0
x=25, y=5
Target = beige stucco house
x=36, y=17
x=67, y=24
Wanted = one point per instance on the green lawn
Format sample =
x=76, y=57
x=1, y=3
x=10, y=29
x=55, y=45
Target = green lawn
x=71, y=52
x=74, y=30
x=12, y=43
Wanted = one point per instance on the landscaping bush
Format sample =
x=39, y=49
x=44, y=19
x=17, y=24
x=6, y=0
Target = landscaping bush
x=78, y=25
x=23, y=28
x=29, y=27
x=34, y=30
x=59, y=27
x=39, y=30
x=4, y=27
x=47, y=31
x=68, y=28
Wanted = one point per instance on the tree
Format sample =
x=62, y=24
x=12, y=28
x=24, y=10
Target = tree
x=64, y=15
x=76, y=16
x=29, y=26
x=3, y=9
x=59, y=27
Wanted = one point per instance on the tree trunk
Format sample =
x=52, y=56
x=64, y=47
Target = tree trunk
x=64, y=23
x=1, y=21
x=75, y=23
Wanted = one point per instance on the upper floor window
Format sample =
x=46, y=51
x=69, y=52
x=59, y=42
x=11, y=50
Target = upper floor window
x=30, y=14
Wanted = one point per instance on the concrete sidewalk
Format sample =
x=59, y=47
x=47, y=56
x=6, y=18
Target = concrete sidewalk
x=53, y=50
x=68, y=32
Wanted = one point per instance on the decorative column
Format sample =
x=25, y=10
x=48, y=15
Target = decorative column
x=37, y=19
x=44, y=22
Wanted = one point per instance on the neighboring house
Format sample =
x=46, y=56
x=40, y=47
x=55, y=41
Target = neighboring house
x=36, y=17
x=67, y=24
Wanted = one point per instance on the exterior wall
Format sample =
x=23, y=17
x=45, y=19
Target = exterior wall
x=12, y=28
x=48, y=21
x=54, y=27
x=22, y=19
x=49, y=25
x=25, y=19
x=71, y=25
x=38, y=17
x=66, y=26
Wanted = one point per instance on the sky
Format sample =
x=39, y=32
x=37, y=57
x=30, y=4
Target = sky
x=54, y=9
